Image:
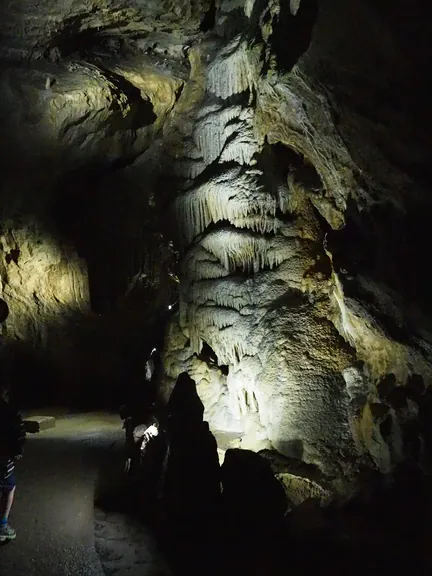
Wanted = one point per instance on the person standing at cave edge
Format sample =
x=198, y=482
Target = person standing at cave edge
x=12, y=437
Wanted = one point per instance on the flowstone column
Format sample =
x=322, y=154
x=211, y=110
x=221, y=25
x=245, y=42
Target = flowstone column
x=255, y=283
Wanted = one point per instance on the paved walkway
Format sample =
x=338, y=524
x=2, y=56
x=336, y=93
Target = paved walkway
x=54, y=511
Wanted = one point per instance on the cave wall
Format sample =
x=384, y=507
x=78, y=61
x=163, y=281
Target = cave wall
x=301, y=260
x=87, y=269
x=280, y=149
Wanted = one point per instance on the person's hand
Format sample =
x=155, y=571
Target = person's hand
x=19, y=457
x=128, y=465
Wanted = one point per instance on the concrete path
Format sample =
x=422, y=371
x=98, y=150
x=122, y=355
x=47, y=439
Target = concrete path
x=54, y=511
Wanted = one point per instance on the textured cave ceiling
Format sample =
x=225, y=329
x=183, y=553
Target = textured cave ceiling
x=274, y=155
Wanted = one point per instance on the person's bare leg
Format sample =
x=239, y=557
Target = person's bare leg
x=6, y=504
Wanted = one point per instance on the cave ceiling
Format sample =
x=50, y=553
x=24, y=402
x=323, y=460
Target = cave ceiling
x=67, y=26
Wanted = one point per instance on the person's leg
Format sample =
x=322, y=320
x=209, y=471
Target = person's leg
x=6, y=501
x=6, y=505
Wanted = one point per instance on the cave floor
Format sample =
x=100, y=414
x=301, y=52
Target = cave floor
x=60, y=531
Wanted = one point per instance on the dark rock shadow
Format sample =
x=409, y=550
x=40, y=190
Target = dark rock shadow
x=292, y=449
x=191, y=484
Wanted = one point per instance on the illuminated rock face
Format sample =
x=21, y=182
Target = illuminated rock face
x=253, y=287
x=79, y=235
x=282, y=137
x=40, y=279
x=56, y=29
x=304, y=333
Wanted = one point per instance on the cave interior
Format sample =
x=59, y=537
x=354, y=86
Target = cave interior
x=244, y=186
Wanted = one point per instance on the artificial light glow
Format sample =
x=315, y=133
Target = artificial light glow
x=169, y=306
x=151, y=432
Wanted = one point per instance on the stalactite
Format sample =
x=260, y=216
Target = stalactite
x=241, y=249
x=258, y=223
x=200, y=264
x=231, y=72
x=229, y=294
x=283, y=199
x=242, y=294
x=195, y=340
x=204, y=316
x=231, y=350
x=241, y=150
x=214, y=129
x=224, y=330
x=242, y=147
x=235, y=195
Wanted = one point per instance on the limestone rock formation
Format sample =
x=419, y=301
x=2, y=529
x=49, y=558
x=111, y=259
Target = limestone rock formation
x=41, y=279
x=77, y=240
x=279, y=149
x=274, y=279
